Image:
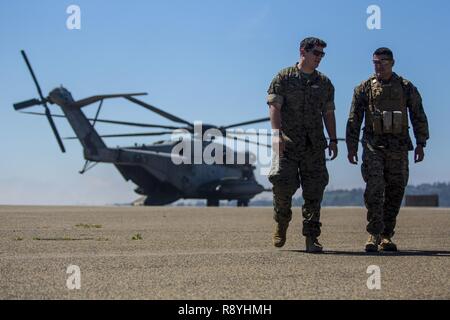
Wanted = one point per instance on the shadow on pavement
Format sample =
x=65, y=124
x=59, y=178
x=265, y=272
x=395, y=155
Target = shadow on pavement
x=402, y=253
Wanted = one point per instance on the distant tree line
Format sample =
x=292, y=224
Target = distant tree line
x=354, y=197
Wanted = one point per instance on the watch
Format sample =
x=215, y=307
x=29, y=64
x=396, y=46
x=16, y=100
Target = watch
x=423, y=144
x=277, y=133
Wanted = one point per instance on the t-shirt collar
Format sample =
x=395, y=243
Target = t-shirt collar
x=312, y=77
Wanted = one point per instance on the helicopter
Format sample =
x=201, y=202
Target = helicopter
x=152, y=167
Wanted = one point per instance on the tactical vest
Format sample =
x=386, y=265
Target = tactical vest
x=386, y=112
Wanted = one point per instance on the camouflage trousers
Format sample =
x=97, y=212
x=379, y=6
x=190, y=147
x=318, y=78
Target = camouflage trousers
x=386, y=175
x=297, y=168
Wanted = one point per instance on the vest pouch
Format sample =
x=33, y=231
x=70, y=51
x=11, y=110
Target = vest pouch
x=377, y=123
x=397, y=122
x=387, y=121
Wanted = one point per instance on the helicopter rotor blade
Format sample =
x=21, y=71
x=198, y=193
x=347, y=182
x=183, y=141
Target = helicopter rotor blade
x=246, y=123
x=55, y=131
x=84, y=102
x=268, y=134
x=24, y=55
x=123, y=135
x=252, y=142
x=43, y=102
x=159, y=111
x=135, y=124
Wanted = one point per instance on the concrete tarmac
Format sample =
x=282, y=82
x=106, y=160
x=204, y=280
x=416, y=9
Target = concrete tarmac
x=215, y=253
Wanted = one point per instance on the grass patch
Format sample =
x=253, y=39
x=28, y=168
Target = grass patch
x=18, y=239
x=88, y=226
x=62, y=239
x=137, y=236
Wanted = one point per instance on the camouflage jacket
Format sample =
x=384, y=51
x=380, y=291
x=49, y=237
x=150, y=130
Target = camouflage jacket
x=360, y=107
x=303, y=101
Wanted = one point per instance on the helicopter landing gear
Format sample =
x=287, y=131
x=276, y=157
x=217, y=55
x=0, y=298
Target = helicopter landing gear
x=212, y=202
x=242, y=203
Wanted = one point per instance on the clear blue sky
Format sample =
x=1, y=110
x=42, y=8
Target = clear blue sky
x=201, y=60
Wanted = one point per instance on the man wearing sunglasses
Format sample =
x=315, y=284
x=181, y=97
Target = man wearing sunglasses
x=385, y=100
x=301, y=99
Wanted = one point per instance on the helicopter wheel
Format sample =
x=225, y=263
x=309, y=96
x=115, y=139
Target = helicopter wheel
x=212, y=202
x=242, y=203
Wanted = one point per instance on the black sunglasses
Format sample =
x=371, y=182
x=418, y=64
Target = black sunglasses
x=383, y=62
x=317, y=53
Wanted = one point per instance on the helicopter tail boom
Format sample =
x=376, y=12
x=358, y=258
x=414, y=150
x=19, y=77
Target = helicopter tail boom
x=93, y=145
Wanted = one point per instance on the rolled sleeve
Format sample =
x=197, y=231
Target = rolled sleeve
x=329, y=104
x=275, y=99
x=274, y=92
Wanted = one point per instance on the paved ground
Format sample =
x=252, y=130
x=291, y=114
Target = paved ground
x=221, y=253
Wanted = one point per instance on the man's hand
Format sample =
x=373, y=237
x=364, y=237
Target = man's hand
x=332, y=150
x=278, y=145
x=418, y=153
x=353, y=157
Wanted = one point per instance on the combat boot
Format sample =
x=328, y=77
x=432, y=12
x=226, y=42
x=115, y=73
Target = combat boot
x=372, y=243
x=279, y=235
x=313, y=245
x=386, y=244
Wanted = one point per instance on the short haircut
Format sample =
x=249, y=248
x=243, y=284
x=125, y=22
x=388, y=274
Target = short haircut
x=384, y=51
x=311, y=42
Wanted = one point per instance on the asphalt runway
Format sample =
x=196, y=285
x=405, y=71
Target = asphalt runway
x=214, y=253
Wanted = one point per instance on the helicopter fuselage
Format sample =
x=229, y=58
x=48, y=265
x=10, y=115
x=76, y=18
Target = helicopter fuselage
x=154, y=169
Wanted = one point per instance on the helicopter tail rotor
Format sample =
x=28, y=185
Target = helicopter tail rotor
x=43, y=101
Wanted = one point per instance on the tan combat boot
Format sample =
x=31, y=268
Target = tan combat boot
x=313, y=245
x=279, y=235
x=386, y=244
x=372, y=243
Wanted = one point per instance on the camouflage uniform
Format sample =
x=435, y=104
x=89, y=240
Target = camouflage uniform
x=385, y=155
x=303, y=100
